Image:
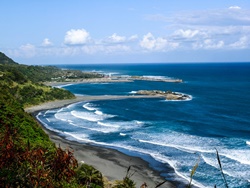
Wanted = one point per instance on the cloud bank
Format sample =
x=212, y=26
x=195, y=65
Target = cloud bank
x=225, y=29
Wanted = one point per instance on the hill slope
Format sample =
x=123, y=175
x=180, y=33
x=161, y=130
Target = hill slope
x=28, y=157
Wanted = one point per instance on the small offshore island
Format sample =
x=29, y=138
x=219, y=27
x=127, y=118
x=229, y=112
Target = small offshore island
x=170, y=95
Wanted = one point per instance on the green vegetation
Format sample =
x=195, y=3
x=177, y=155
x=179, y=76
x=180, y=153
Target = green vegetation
x=22, y=73
x=89, y=176
x=24, y=83
x=27, y=157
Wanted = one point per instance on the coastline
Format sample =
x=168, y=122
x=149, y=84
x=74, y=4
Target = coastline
x=61, y=103
x=111, y=79
x=110, y=162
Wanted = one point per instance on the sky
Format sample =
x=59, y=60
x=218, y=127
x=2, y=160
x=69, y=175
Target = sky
x=125, y=31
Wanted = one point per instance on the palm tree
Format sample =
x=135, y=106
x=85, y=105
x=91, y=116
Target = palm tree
x=89, y=176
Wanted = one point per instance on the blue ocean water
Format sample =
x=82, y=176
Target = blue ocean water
x=174, y=134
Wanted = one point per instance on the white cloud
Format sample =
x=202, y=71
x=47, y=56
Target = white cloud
x=234, y=8
x=27, y=50
x=76, y=37
x=208, y=44
x=219, y=17
x=46, y=42
x=189, y=33
x=117, y=49
x=133, y=37
x=116, y=38
x=206, y=29
x=149, y=42
x=242, y=43
x=110, y=49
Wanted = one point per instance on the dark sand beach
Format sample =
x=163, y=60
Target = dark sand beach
x=112, y=163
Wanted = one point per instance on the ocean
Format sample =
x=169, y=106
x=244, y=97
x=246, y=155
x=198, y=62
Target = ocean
x=168, y=134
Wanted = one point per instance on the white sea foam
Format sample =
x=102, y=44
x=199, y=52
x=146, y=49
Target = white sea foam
x=182, y=148
x=65, y=85
x=157, y=156
x=47, y=126
x=98, y=112
x=97, y=71
x=248, y=143
x=190, y=97
x=97, y=129
x=84, y=138
x=206, y=148
x=73, y=105
x=163, y=159
x=77, y=136
x=139, y=122
x=111, y=73
x=89, y=107
x=132, y=92
x=76, y=125
x=156, y=77
x=107, y=124
x=173, y=164
x=242, y=156
x=87, y=116
x=63, y=116
x=70, y=121
x=47, y=119
x=127, y=125
x=210, y=161
x=50, y=112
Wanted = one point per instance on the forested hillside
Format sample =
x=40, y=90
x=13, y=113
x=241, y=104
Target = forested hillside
x=24, y=83
x=27, y=157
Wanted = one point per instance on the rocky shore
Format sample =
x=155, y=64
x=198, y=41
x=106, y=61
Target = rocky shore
x=156, y=79
x=169, y=95
x=110, y=79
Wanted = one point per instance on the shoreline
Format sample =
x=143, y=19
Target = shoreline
x=112, y=163
x=112, y=79
x=62, y=103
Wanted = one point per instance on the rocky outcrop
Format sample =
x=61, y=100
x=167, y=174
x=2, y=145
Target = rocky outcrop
x=168, y=94
x=158, y=79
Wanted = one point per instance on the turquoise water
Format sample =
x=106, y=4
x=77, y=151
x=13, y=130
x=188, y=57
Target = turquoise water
x=169, y=134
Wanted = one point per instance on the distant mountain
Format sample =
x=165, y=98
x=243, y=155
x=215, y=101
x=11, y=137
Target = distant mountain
x=6, y=60
x=36, y=73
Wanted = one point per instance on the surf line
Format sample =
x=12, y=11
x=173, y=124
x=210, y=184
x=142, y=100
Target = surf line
x=62, y=103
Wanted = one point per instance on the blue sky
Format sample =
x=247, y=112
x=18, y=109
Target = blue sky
x=131, y=31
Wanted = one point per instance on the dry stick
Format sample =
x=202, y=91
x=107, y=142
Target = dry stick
x=192, y=172
x=224, y=179
x=161, y=183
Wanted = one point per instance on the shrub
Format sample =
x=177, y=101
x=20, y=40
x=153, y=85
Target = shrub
x=89, y=176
